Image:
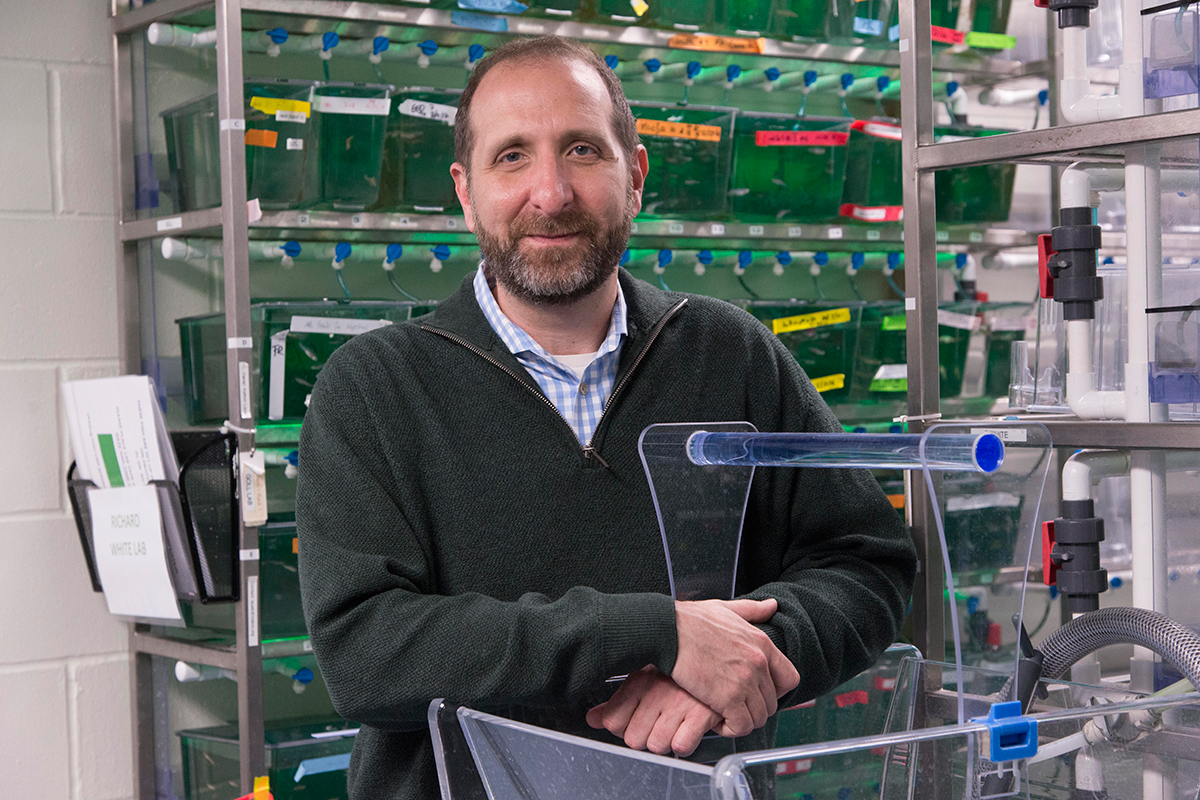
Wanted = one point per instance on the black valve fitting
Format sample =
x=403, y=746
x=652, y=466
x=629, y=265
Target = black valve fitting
x=1073, y=13
x=1075, y=242
x=1077, y=538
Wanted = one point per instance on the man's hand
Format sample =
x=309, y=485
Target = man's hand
x=650, y=712
x=728, y=664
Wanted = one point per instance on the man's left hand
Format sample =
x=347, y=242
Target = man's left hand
x=651, y=712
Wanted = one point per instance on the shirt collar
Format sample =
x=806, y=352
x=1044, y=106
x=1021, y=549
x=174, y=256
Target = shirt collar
x=518, y=341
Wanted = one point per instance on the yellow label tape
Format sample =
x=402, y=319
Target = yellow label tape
x=833, y=316
x=640, y=7
x=273, y=105
x=716, y=44
x=679, y=130
x=829, y=382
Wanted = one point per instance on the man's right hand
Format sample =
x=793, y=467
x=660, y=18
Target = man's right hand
x=728, y=664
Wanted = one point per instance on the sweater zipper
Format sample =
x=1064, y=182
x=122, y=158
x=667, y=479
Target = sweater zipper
x=588, y=450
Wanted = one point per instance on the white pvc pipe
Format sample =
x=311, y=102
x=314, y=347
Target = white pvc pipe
x=1008, y=97
x=1075, y=99
x=1085, y=468
x=1085, y=400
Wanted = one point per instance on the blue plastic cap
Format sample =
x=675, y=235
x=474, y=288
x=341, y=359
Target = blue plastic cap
x=693, y=68
x=1053, y=592
x=772, y=73
x=278, y=35
x=960, y=260
x=859, y=429
x=744, y=258
x=705, y=257
x=624, y=256
x=441, y=252
x=664, y=257
x=882, y=82
x=732, y=71
x=989, y=453
x=1108, y=260
x=476, y=52
x=380, y=44
x=394, y=251
x=342, y=251
x=652, y=65
x=293, y=458
x=857, y=260
x=1116, y=582
x=896, y=428
x=821, y=258
x=783, y=257
x=292, y=248
x=330, y=40
x=847, y=79
x=951, y=88
x=810, y=77
x=972, y=605
x=1043, y=97
x=612, y=61
x=428, y=47
x=1011, y=736
x=303, y=675
x=893, y=260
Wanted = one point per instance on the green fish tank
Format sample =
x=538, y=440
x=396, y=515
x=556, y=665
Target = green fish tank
x=690, y=150
x=832, y=20
x=788, y=167
x=873, y=190
x=292, y=342
x=880, y=364
x=278, y=116
x=418, y=150
x=349, y=126
x=821, y=337
x=979, y=194
x=306, y=760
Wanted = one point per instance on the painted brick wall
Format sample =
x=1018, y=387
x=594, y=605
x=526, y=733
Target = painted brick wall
x=64, y=666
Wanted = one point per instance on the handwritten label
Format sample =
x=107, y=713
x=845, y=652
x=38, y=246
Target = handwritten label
x=640, y=7
x=803, y=322
x=872, y=213
x=291, y=110
x=244, y=389
x=880, y=129
x=295, y=144
x=679, y=130
x=829, y=382
x=990, y=41
x=868, y=27
x=963, y=322
x=252, y=610
x=436, y=112
x=716, y=44
x=256, y=137
x=370, y=106
x=1020, y=435
x=947, y=35
x=801, y=138
x=793, y=767
x=335, y=325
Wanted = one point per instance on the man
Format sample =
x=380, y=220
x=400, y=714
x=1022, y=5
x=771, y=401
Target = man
x=474, y=519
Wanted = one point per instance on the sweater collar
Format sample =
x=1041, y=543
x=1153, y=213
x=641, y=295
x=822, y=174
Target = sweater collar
x=461, y=315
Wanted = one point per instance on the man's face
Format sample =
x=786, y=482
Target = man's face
x=550, y=194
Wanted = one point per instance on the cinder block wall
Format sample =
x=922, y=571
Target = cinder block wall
x=64, y=665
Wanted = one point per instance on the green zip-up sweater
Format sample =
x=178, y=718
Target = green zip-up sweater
x=457, y=541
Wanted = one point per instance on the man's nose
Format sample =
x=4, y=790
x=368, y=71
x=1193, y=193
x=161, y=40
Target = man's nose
x=551, y=190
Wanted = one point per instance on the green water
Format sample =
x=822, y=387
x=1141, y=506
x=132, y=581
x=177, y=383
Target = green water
x=349, y=151
x=998, y=361
x=417, y=154
x=801, y=182
x=749, y=15
x=688, y=177
x=873, y=171
x=973, y=194
x=823, y=352
x=882, y=339
x=832, y=19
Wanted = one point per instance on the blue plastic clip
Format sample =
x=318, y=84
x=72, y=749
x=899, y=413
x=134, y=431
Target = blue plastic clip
x=810, y=77
x=291, y=248
x=329, y=40
x=278, y=35
x=847, y=80
x=379, y=44
x=693, y=68
x=705, y=257
x=394, y=251
x=428, y=47
x=341, y=251
x=951, y=88
x=772, y=73
x=476, y=52
x=441, y=252
x=665, y=257
x=652, y=65
x=732, y=72
x=783, y=257
x=882, y=82
x=612, y=61
x=1011, y=735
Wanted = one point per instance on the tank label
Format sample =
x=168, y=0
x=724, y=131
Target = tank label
x=883, y=130
x=295, y=144
x=282, y=110
x=716, y=44
x=890, y=378
x=335, y=325
x=829, y=382
x=963, y=322
x=803, y=322
x=370, y=106
x=801, y=138
x=437, y=112
x=947, y=35
x=872, y=213
x=260, y=138
x=868, y=27
x=679, y=130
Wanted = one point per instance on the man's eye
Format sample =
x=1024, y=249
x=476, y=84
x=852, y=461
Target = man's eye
x=510, y=158
x=583, y=150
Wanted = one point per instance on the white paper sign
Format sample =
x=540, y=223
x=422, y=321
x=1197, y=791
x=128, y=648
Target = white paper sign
x=426, y=110
x=1004, y=434
x=117, y=431
x=291, y=116
x=891, y=372
x=336, y=325
x=372, y=106
x=951, y=319
x=128, y=542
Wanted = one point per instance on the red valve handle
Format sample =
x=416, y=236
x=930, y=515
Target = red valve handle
x=1045, y=279
x=1049, y=567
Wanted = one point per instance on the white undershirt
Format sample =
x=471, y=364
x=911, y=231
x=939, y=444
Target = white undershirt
x=577, y=363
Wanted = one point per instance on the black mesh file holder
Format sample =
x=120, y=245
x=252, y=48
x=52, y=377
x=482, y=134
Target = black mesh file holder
x=208, y=491
x=77, y=490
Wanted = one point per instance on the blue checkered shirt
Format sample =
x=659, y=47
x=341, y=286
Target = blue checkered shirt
x=581, y=402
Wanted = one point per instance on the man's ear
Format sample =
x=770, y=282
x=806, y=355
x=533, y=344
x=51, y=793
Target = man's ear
x=459, y=173
x=639, y=168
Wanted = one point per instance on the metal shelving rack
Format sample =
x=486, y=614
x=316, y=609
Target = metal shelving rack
x=231, y=222
x=1103, y=142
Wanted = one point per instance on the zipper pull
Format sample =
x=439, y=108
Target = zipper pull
x=590, y=452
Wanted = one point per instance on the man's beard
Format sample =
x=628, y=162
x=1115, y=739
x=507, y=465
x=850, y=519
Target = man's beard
x=555, y=275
